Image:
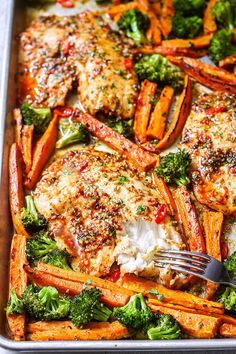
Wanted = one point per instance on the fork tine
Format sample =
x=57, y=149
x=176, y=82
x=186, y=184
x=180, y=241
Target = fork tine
x=182, y=264
x=181, y=270
x=182, y=258
x=187, y=253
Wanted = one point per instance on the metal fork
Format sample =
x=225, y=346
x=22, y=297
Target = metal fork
x=198, y=264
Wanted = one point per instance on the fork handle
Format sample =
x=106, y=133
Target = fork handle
x=230, y=282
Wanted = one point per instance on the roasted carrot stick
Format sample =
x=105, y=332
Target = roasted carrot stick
x=189, y=220
x=228, y=330
x=166, y=194
x=42, y=326
x=180, y=116
x=16, y=188
x=27, y=143
x=119, y=9
x=198, y=42
x=113, y=331
x=209, y=23
x=43, y=151
x=154, y=32
x=208, y=75
x=131, y=151
x=18, y=126
x=156, y=127
x=195, y=325
x=111, y=297
x=171, y=51
x=175, y=297
x=213, y=223
x=167, y=13
x=18, y=282
x=157, y=8
x=143, y=110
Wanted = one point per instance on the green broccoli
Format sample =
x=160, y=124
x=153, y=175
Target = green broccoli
x=86, y=306
x=42, y=248
x=39, y=117
x=103, y=2
x=186, y=27
x=32, y=220
x=157, y=69
x=71, y=132
x=134, y=23
x=189, y=7
x=14, y=304
x=174, y=168
x=230, y=265
x=123, y=127
x=166, y=327
x=221, y=46
x=223, y=13
x=135, y=314
x=228, y=298
x=45, y=303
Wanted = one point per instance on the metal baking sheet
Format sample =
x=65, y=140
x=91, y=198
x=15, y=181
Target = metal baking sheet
x=14, y=25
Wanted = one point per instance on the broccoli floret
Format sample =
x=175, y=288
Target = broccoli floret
x=42, y=248
x=157, y=69
x=135, y=314
x=188, y=7
x=103, y=2
x=134, y=23
x=174, y=168
x=228, y=298
x=86, y=306
x=14, y=304
x=230, y=265
x=223, y=13
x=166, y=328
x=221, y=46
x=32, y=220
x=45, y=303
x=123, y=127
x=186, y=27
x=71, y=132
x=39, y=117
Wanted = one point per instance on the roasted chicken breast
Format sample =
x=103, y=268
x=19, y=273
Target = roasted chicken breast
x=59, y=52
x=102, y=210
x=210, y=137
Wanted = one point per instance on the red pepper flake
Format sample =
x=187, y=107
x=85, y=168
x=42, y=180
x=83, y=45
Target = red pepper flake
x=224, y=250
x=83, y=166
x=65, y=112
x=128, y=63
x=212, y=111
x=68, y=46
x=161, y=213
x=113, y=276
x=66, y=3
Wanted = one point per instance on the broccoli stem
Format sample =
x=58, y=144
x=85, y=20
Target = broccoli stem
x=101, y=313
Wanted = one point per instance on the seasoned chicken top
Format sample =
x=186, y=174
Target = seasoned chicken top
x=210, y=137
x=58, y=52
x=92, y=200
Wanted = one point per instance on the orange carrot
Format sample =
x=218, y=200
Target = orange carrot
x=143, y=110
x=18, y=126
x=166, y=194
x=17, y=282
x=154, y=32
x=208, y=75
x=174, y=297
x=42, y=326
x=195, y=325
x=228, y=62
x=16, y=188
x=27, y=143
x=110, y=296
x=189, y=220
x=125, y=147
x=111, y=331
x=168, y=12
x=43, y=151
x=156, y=127
x=198, y=42
x=171, y=51
x=180, y=116
x=121, y=8
x=209, y=23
